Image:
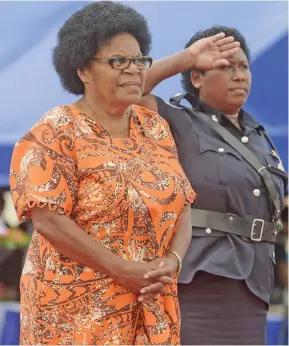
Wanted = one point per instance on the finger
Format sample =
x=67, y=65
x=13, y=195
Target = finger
x=225, y=40
x=147, y=275
x=229, y=46
x=217, y=37
x=156, y=273
x=152, y=266
x=156, y=287
x=220, y=63
x=228, y=53
x=166, y=280
x=152, y=269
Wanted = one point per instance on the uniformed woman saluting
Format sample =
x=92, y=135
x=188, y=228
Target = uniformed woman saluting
x=227, y=275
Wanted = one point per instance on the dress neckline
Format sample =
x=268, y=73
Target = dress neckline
x=102, y=131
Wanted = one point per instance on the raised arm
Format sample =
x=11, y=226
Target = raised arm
x=206, y=54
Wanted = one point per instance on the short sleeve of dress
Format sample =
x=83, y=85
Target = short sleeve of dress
x=43, y=169
x=160, y=130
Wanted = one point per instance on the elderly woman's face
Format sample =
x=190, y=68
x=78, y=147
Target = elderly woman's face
x=113, y=86
x=226, y=89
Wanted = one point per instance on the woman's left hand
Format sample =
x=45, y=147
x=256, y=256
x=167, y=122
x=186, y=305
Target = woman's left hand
x=167, y=267
x=212, y=52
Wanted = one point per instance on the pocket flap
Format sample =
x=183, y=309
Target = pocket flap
x=209, y=143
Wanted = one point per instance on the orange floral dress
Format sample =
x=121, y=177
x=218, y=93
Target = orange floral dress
x=127, y=194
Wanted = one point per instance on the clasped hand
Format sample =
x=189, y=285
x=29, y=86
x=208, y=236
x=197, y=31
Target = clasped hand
x=148, y=280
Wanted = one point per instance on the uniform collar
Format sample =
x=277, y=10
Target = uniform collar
x=246, y=120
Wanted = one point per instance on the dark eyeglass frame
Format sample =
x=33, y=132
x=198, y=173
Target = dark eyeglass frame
x=112, y=60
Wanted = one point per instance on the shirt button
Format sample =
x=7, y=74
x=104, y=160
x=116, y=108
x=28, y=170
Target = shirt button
x=256, y=192
x=208, y=231
x=214, y=118
x=245, y=139
x=221, y=150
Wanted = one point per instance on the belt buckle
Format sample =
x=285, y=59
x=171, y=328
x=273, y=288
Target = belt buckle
x=253, y=233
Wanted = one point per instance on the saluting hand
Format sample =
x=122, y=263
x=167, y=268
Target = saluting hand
x=212, y=52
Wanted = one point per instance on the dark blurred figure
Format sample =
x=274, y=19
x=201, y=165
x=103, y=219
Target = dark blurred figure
x=280, y=293
x=282, y=271
x=282, y=251
x=281, y=258
x=13, y=244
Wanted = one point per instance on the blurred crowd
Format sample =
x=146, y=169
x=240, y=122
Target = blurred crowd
x=280, y=292
x=14, y=241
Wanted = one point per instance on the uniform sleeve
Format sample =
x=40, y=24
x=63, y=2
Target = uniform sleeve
x=176, y=117
x=190, y=194
x=43, y=167
x=165, y=110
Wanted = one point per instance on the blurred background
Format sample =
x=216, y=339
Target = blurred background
x=29, y=87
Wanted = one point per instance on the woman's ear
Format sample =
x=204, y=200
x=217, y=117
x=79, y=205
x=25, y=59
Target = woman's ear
x=84, y=74
x=196, y=79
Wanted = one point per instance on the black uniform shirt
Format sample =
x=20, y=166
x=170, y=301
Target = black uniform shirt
x=226, y=183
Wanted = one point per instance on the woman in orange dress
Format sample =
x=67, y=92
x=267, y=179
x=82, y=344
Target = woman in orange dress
x=108, y=199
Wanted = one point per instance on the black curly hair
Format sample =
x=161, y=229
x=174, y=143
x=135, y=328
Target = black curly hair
x=216, y=29
x=87, y=30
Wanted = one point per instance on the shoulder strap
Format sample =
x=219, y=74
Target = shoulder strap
x=268, y=138
x=279, y=170
x=247, y=155
x=176, y=100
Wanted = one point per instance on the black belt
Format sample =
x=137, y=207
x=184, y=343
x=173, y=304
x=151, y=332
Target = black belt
x=247, y=226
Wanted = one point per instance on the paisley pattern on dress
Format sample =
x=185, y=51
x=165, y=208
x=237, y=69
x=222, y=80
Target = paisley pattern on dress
x=127, y=194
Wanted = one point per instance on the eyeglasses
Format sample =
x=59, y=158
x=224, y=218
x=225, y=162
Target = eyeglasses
x=122, y=63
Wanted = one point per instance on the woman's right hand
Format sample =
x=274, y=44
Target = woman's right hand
x=132, y=278
x=213, y=52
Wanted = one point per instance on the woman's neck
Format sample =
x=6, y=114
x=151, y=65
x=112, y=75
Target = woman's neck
x=233, y=116
x=115, y=120
x=234, y=119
